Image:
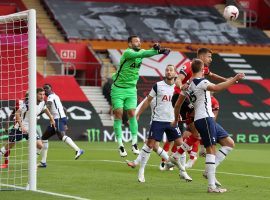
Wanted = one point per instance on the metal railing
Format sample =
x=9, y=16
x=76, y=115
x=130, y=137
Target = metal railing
x=249, y=17
x=65, y=68
x=70, y=69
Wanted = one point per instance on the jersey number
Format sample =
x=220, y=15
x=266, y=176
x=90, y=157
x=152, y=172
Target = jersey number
x=192, y=97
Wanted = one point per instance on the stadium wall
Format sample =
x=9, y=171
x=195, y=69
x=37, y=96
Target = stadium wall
x=83, y=60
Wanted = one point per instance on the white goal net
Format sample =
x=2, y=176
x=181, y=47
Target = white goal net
x=17, y=78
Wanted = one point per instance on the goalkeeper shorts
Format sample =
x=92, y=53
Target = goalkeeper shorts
x=125, y=98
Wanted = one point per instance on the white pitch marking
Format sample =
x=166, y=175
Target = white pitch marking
x=61, y=195
x=116, y=161
x=46, y=192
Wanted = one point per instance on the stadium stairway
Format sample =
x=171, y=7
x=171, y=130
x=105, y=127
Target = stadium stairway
x=40, y=67
x=44, y=22
x=102, y=107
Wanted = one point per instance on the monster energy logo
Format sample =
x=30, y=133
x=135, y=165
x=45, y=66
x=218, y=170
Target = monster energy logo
x=93, y=135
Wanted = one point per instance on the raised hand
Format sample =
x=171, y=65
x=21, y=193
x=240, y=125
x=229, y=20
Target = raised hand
x=239, y=76
x=164, y=51
x=156, y=46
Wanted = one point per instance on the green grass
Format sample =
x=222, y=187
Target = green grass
x=101, y=174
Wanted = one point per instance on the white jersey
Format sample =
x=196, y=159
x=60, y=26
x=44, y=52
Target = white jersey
x=57, y=109
x=162, y=106
x=24, y=110
x=201, y=98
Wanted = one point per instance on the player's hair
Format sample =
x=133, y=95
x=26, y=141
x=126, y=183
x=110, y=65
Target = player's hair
x=196, y=65
x=172, y=66
x=131, y=37
x=47, y=86
x=201, y=51
x=40, y=90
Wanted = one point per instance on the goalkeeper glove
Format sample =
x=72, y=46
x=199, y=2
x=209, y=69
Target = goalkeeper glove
x=164, y=51
x=156, y=46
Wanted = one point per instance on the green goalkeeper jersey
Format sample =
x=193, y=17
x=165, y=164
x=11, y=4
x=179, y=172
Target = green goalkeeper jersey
x=127, y=75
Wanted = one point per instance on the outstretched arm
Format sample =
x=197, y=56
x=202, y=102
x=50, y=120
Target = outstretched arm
x=216, y=77
x=131, y=54
x=226, y=84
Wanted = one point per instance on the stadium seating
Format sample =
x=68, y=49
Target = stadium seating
x=185, y=24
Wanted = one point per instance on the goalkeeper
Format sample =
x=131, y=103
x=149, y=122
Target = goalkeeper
x=124, y=91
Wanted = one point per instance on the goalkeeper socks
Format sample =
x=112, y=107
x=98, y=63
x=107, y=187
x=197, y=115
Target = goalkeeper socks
x=70, y=142
x=222, y=153
x=44, y=151
x=163, y=154
x=117, y=127
x=133, y=126
x=211, y=170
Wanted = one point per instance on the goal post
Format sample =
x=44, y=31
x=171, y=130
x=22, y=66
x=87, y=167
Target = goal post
x=17, y=77
x=32, y=169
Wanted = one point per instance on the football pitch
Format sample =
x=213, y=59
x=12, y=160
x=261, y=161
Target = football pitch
x=101, y=174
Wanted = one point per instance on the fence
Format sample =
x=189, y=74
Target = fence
x=84, y=72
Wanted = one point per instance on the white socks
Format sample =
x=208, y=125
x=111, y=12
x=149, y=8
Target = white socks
x=145, y=155
x=139, y=157
x=44, y=151
x=162, y=153
x=211, y=170
x=183, y=159
x=222, y=153
x=70, y=142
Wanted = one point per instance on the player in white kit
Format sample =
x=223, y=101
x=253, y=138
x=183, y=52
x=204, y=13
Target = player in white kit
x=162, y=116
x=199, y=94
x=21, y=127
x=55, y=106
